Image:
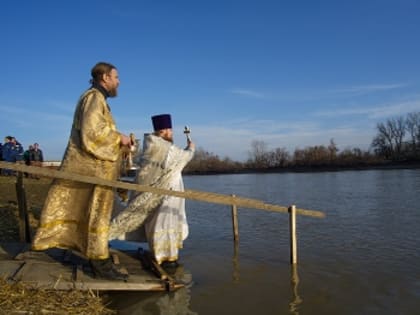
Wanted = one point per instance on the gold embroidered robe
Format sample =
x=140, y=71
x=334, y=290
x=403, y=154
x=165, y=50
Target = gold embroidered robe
x=76, y=215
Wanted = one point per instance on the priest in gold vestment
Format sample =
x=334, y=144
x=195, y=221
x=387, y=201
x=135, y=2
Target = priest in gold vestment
x=76, y=215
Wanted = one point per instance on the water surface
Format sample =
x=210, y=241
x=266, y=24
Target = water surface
x=363, y=258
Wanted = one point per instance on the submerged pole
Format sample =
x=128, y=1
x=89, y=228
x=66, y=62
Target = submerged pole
x=235, y=222
x=293, y=239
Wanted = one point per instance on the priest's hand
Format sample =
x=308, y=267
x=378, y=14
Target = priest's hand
x=125, y=140
x=190, y=145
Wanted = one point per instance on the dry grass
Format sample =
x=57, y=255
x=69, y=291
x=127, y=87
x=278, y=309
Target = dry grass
x=36, y=192
x=19, y=298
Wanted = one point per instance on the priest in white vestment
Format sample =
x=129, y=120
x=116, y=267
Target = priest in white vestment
x=162, y=218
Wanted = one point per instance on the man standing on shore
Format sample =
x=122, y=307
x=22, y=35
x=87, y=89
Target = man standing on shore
x=76, y=215
x=36, y=156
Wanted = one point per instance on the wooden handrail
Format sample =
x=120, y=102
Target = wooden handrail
x=187, y=194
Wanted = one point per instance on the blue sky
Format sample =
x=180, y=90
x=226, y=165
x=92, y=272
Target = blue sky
x=289, y=73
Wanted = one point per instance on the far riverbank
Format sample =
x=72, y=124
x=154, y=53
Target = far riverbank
x=313, y=168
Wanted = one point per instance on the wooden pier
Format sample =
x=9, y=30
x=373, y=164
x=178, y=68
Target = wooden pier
x=62, y=269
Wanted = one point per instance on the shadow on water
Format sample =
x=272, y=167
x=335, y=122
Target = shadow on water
x=297, y=301
x=235, y=261
x=179, y=302
x=149, y=303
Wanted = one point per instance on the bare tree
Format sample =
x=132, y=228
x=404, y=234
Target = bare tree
x=382, y=146
x=312, y=156
x=299, y=157
x=259, y=155
x=332, y=148
x=412, y=124
x=397, y=127
x=389, y=140
x=279, y=157
x=385, y=136
x=383, y=141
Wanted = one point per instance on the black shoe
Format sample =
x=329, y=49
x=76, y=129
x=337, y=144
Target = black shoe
x=105, y=269
x=169, y=266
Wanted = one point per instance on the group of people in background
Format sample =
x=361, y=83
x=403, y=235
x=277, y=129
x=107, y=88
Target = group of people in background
x=12, y=151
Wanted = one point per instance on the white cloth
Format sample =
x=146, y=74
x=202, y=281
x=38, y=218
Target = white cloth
x=167, y=228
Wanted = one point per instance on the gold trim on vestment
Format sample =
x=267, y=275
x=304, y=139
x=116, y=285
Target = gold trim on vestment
x=56, y=223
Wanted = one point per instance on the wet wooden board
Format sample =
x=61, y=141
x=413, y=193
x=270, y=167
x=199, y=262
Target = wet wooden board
x=65, y=270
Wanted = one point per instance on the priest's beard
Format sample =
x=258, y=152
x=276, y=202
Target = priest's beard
x=168, y=138
x=113, y=92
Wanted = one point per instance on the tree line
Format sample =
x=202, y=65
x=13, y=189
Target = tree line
x=397, y=140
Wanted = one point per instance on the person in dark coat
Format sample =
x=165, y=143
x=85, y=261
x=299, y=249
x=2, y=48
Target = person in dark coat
x=27, y=158
x=36, y=157
x=12, y=152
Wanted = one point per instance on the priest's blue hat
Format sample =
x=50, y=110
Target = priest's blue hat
x=161, y=122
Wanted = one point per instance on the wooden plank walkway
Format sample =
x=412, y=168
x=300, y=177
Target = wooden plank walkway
x=62, y=269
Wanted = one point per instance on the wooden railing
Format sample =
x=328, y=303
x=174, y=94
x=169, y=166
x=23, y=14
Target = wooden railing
x=232, y=200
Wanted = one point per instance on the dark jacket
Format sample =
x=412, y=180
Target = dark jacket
x=12, y=152
x=36, y=155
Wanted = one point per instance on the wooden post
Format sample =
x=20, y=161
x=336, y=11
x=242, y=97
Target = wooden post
x=293, y=240
x=24, y=228
x=235, y=222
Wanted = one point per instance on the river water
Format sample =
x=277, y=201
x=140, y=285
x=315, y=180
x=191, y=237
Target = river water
x=363, y=258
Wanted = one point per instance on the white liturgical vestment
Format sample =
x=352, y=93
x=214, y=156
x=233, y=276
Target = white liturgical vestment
x=162, y=218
